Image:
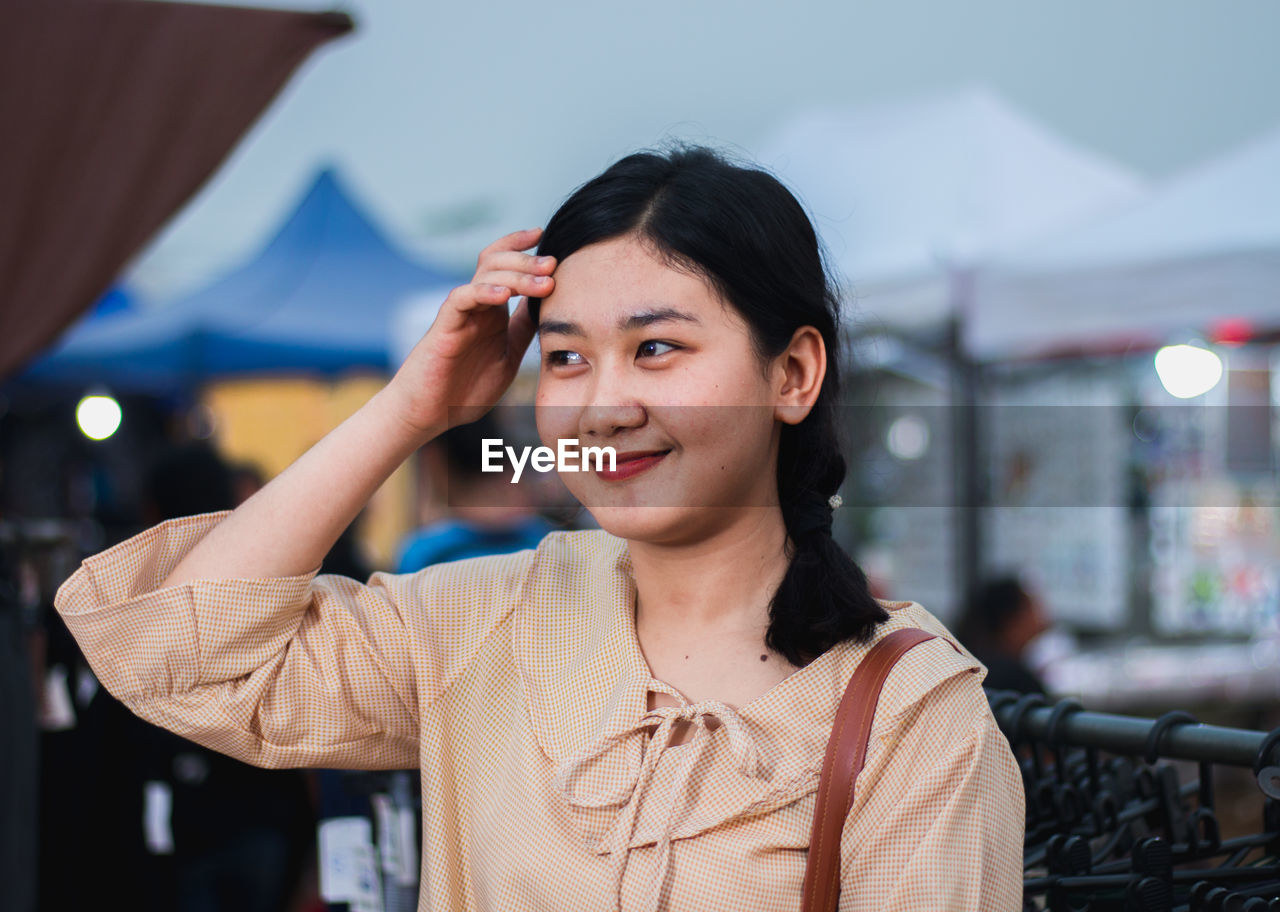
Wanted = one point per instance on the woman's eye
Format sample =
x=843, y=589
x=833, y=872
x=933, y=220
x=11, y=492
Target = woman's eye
x=562, y=358
x=651, y=348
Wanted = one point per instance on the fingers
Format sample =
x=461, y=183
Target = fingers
x=515, y=261
x=476, y=295
x=518, y=282
x=503, y=270
x=516, y=240
x=504, y=263
x=482, y=295
x=523, y=274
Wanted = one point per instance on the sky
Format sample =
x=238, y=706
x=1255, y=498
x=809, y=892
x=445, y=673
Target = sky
x=456, y=123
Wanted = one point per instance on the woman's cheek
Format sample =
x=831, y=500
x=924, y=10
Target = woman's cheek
x=554, y=420
x=728, y=428
x=577, y=484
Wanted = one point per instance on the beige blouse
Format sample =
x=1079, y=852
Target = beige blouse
x=517, y=685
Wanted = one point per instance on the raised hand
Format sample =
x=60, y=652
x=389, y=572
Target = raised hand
x=471, y=353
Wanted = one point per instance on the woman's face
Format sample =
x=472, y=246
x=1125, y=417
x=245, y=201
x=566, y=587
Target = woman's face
x=647, y=359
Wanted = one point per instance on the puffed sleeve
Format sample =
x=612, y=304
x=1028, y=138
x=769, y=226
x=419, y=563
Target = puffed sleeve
x=309, y=670
x=940, y=823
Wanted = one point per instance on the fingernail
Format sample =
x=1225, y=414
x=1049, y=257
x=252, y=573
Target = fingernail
x=541, y=280
x=545, y=260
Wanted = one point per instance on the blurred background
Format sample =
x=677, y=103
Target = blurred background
x=1057, y=227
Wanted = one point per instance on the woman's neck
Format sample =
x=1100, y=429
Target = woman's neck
x=722, y=583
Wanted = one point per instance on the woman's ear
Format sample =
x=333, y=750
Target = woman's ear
x=799, y=371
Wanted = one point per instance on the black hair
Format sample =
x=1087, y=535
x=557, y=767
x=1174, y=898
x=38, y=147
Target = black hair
x=745, y=234
x=463, y=445
x=989, y=608
x=189, y=478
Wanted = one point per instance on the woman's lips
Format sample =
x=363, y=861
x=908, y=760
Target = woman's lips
x=631, y=464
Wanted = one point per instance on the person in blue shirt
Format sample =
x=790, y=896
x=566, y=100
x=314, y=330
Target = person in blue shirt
x=486, y=514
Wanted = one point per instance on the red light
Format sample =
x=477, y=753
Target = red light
x=1231, y=331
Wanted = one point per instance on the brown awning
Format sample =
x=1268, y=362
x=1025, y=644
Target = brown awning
x=112, y=114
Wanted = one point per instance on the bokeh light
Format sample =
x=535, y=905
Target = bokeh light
x=1187, y=371
x=98, y=417
x=908, y=437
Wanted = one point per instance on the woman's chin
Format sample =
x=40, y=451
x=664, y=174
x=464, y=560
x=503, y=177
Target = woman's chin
x=647, y=524
x=665, y=525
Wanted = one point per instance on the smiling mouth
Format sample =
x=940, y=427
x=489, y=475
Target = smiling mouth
x=631, y=464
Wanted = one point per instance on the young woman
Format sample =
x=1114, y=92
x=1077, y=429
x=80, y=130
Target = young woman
x=627, y=718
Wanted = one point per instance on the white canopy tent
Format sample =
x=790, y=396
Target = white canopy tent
x=1201, y=253
x=911, y=199
x=1204, y=248
x=907, y=195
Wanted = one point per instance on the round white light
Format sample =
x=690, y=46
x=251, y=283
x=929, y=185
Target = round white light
x=908, y=437
x=98, y=417
x=1187, y=371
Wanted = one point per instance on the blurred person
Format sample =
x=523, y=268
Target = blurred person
x=1000, y=621
x=629, y=717
x=347, y=556
x=484, y=513
x=246, y=480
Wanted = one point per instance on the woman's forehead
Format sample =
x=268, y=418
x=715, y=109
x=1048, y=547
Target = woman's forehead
x=619, y=284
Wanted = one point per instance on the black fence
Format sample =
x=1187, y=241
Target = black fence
x=1112, y=826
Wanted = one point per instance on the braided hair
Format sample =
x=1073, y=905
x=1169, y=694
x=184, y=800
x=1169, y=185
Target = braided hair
x=741, y=230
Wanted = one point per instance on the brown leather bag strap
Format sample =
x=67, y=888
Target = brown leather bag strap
x=846, y=752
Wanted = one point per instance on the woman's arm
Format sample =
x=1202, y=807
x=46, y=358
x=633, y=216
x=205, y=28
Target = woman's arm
x=454, y=374
x=288, y=526
x=302, y=670
x=217, y=627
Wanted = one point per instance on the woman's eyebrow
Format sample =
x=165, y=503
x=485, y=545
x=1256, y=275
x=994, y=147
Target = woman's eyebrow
x=658, y=315
x=634, y=321
x=559, y=326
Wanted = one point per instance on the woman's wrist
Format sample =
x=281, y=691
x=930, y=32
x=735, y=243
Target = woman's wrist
x=409, y=425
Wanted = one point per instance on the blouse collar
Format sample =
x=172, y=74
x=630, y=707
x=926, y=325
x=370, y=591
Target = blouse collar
x=586, y=687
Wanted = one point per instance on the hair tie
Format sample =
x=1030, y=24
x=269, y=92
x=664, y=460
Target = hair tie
x=814, y=514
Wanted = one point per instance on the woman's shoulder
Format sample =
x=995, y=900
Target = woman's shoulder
x=579, y=566
x=561, y=564
x=941, y=662
x=904, y=614
x=581, y=548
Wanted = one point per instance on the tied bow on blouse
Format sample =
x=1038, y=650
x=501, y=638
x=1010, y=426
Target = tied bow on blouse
x=632, y=794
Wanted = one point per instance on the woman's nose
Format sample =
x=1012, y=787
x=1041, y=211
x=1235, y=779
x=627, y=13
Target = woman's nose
x=609, y=409
x=601, y=420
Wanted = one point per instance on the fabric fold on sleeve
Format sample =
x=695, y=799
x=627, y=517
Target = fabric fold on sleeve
x=940, y=822
x=144, y=641
x=306, y=670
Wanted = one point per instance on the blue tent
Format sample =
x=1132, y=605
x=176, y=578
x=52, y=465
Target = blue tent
x=117, y=303
x=117, y=299
x=318, y=298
